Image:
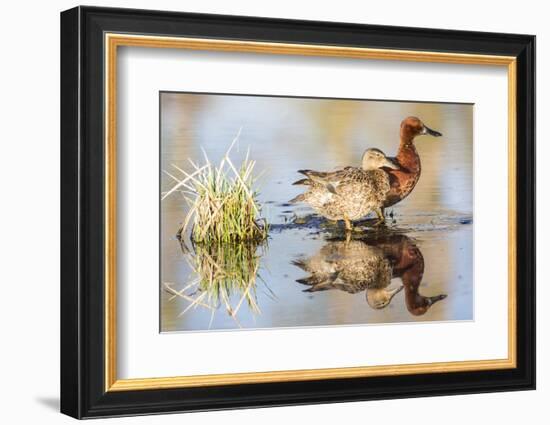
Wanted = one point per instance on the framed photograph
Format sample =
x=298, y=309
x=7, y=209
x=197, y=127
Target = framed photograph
x=261, y=212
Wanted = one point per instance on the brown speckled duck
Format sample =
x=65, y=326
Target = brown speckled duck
x=351, y=193
x=350, y=266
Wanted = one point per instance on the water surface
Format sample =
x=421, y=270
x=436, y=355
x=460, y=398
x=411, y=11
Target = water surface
x=422, y=262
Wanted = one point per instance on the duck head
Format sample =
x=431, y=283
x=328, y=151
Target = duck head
x=374, y=158
x=412, y=127
x=379, y=298
x=418, y=304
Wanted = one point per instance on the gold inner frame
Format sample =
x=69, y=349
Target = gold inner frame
x=113, y=41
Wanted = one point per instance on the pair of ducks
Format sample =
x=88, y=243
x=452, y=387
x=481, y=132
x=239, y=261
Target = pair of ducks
x=370, y=265
x=354, y=192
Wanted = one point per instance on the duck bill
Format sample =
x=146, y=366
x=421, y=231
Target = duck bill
x=432, y=300
x=388, y=163
x=393, y=292
x=428, y=130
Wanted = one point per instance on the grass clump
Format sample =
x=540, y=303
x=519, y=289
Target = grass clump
x=222, y=199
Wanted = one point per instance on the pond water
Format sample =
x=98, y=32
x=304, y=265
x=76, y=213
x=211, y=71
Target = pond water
x=420, y=267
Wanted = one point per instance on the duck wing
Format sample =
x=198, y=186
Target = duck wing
x=331, y=179
x=319, y=282
x=306, y=182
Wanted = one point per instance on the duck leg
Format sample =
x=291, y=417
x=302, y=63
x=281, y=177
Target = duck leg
x=381, y=217
x=349, y=229
x=347, y=224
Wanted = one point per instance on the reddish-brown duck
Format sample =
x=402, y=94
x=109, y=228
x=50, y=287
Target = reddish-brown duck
x=404, y=179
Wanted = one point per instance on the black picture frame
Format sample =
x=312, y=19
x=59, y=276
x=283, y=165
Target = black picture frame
x=83, y=392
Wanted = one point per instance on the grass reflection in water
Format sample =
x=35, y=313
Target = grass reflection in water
x=225, y=275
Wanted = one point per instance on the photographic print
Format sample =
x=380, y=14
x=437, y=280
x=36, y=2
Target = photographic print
x=280, y=212
x=258, y=183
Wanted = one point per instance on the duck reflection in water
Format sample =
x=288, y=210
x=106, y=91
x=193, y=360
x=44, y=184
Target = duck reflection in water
x=369, y=264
